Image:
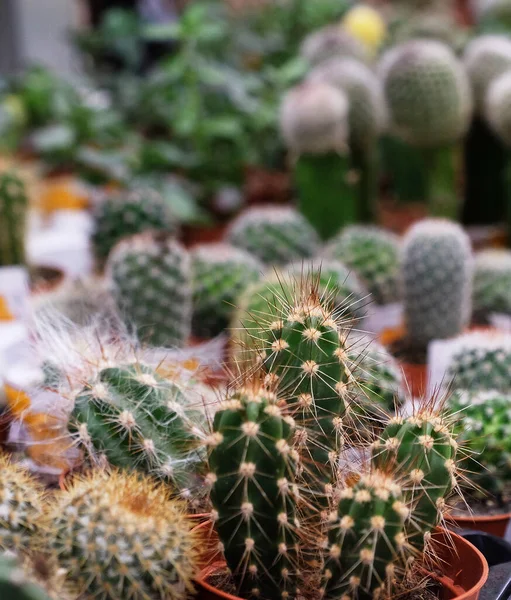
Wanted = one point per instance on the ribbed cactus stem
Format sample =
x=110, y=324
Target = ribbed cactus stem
x=252, y=477
x=13, y=220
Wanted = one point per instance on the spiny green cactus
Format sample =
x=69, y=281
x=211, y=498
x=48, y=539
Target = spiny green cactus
x=21, y=507
x=492, y=283
x=252, y=477
x=314, y=125
x=374, y=255
x=437, y=269
x=136, y=419
x=332, y=41
x=367, y=117
x=486, y=58
x=13, y=220
x=126, y=213
x=150, y=275
x=367, y=545
x=274, y=235
x=221, y=273
x=122, y=536
x=498, y=106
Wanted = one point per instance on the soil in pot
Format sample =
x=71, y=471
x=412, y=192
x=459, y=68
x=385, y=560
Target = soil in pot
x=491, y=515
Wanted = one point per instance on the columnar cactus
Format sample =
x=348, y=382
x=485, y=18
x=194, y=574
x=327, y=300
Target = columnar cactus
x=136, y=419
x=429, y=103
x=367, y=118
x=498, y=107
x=122, y=536
x=126, y=213
x=437, y=269
x=314, y=125
x=253, y=491
x=486, y=58
x=329, y=42
x=274, y=235
x=13, y=220
x=492, y=283
x=150, y=276
x=221, y=273
x=374, y=256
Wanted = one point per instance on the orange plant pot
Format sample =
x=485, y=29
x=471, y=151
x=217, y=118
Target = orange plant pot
x=492, y=524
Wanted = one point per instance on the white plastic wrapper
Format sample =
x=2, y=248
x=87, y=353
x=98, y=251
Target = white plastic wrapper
x=14, y=288
x=501, y=322
x=386, y=316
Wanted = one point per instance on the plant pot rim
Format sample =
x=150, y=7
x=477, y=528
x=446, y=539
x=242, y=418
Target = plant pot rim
x=505, y=516
x=444, y=580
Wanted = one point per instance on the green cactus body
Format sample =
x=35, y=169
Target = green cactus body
x=221, y=273
x=121, y=536
x=422, y=449
x=367, y=543
x=150, y=276
x=492, y=283
x=274, y=235
x=13, y=220
x=374, y=256
x=127, y=213
x=252, y=474
x=329, y=42
x=14, y=584
x=437, y=268
x=138, y=420
x=314, y=125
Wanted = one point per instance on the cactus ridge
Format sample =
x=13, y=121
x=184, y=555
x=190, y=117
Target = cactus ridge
x=13, y=219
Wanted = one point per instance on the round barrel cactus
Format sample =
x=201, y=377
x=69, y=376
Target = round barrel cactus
x=331, y=41
x=498, y=107
x=492, y=283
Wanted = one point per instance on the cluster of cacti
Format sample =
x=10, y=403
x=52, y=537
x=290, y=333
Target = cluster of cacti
x=151, y=282
x=221, y=273
x=437, y=270
x=13, y=220
x=329, y=42
x=126, y=213
x=274, y=235
x=373, y=254
x=492, y=283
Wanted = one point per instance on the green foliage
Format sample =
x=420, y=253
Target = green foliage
x=13, y=219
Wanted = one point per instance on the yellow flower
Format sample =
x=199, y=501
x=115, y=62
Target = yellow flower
x=367, y=25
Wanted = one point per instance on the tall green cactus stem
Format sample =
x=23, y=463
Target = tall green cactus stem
x=274, y=235
x=151, y=280
x=136, y=419
x=373, y=254
x=252, y=477
x=13, y=220
x=122, y=536
x=437, y=269
x=492, y=283
x=367, y=118
x=314, y=125
x=329, y=42
x=429, y=102
x=422, y=450
x=126, y=213
x=367, y=545
x=221, y=273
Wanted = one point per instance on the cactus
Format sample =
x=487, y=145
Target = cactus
x=437, y=270
x=16, y=583
x=367, y=117
x=492, y=283
x=274, y=235
x=252, y=477
x=373, y=254
x=21, y=507
x=498, y=107
x=332, y=41
x=150, y=275
x=430, y=108
x=314, y=125
x=220, y=274
x=127, y=213
x=122, y=536
x=136, y=419
x=13, y=220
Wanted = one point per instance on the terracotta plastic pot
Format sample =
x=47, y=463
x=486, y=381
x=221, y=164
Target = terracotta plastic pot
x=463, y=570
x=193, y=235
x=209, y=553
x=492, y=524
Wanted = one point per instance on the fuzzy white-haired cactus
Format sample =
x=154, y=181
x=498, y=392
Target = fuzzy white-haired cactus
x=498, y=106
x=332, y=41
x=150, y=276
x=275, y=235
x=486, y=58
x=492, y=283
x=314, y=125
x=437, y=271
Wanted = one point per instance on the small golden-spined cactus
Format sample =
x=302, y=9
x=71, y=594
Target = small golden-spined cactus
x=121, y=535
x=21, y=506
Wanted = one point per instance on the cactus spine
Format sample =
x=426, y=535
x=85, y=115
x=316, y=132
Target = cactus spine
x=150, y=275
x=252, y=474
x=13, y=220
